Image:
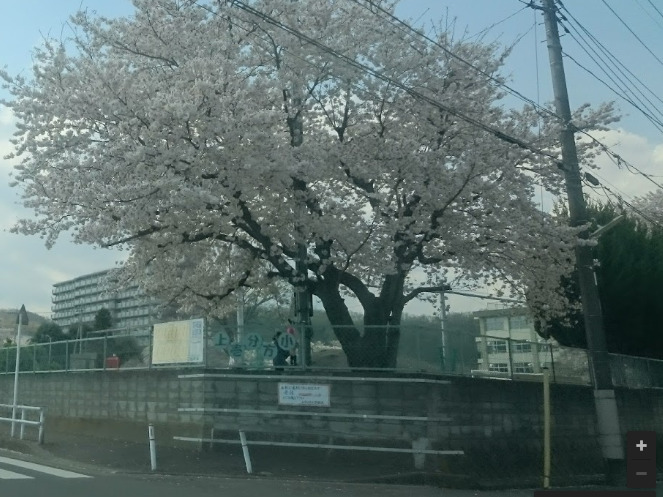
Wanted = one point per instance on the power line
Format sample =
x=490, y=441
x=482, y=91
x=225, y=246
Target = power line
x=485, y=30
x=656, y=122
x=619, y=160
x=406, y=26
x=379, y=75
x=649, y=15
x=617, y=63
x=494, y=131
x=615, y=157
x=655, y=8
x=626, y=85
x=619, y=195
x=633, y=32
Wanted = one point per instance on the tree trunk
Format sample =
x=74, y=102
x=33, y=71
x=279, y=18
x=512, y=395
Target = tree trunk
x=393, y=338
x=377, y=346
x=341, y=320
x=381, y=336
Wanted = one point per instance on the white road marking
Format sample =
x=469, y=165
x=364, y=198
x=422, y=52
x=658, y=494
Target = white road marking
x=61, y=473
x=10, y=475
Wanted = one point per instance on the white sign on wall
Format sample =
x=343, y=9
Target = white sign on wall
x=304, y=394
x=178, y=342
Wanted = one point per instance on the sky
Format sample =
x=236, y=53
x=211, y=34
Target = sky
x=29, y=270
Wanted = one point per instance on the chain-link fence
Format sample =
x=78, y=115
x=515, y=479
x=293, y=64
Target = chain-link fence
x=408, y=349
x=103, y=352
x=419, y=350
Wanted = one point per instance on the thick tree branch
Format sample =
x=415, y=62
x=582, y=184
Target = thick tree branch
x=425, y=289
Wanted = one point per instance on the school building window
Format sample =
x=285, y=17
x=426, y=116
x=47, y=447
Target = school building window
x=496, y=346
x=523, y=367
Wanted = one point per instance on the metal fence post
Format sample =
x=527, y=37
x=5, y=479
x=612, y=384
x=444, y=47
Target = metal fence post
x=510, y=356
x=34, y=357
x=418, y=342
x=546, y=429
x=552, y=362
x=205, y=333
x=103, y=359
x=22, y=423
x=41, y=427
x=150, y=345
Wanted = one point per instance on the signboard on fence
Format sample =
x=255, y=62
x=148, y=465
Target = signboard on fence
x=303, y=394
x=178, y=342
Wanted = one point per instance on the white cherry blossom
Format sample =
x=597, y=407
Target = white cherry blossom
x=192, y=128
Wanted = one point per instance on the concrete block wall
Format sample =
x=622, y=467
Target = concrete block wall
x=349, y=395
x=497, y=423
x=118, y=403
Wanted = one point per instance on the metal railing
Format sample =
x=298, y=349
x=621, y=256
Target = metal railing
x=263, y=427
x=23, y=421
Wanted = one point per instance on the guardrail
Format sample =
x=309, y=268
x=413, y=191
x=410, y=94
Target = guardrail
x=26, y=422
x=263, y=427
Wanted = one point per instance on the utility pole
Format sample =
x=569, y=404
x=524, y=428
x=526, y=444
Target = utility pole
x=604, y=394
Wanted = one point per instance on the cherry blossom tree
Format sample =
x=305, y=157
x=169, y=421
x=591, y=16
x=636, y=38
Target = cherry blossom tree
x=651, y=204
x=192, y=133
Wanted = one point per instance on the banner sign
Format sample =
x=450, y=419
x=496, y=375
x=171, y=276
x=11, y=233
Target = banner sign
x=178, y=342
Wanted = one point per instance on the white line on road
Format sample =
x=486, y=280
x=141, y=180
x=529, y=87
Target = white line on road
x=41, y=469
x=10, y=475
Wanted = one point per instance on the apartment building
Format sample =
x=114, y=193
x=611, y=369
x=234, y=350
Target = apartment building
x=78, y=301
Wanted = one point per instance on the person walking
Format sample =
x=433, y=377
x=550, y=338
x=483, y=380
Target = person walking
x=281, y=354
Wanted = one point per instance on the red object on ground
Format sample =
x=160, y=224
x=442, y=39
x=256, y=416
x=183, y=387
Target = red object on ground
x=113, y=362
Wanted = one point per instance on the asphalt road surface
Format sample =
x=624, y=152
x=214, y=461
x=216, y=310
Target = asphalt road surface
x=37, y=477
x=20, y=478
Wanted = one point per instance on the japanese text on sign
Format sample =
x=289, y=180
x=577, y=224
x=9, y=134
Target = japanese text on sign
x=304, y=394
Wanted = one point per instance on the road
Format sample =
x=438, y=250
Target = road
x=20, y=478
x=122, y=485
x=29, y=478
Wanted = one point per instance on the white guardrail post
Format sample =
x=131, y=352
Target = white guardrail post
x=23, y=421
x=153, y=448
x=42, y=418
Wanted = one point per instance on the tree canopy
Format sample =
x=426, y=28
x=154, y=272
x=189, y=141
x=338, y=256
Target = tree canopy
x=193, y=133
x=629, y=275
x=103, y=320
x=49, y=332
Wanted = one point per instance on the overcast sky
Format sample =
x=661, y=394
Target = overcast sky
x=29, y=269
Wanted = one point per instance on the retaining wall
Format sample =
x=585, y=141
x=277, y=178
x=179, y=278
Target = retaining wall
x=498, y=424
